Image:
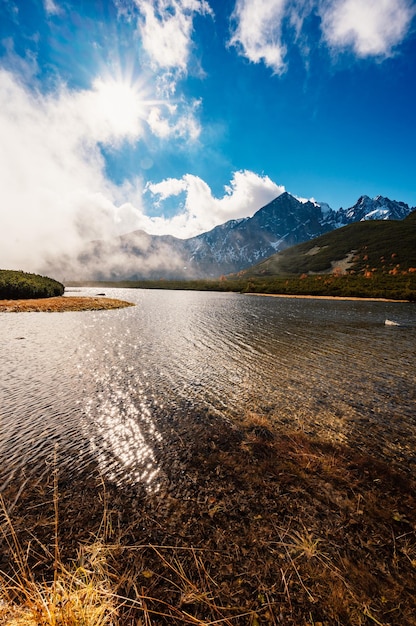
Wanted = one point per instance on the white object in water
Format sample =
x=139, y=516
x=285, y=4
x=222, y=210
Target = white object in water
x=391, y=323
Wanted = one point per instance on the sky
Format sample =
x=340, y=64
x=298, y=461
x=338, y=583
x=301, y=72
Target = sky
x=174, y=116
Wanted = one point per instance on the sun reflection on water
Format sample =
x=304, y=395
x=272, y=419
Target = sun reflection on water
x=115, y=382
x=120, y=428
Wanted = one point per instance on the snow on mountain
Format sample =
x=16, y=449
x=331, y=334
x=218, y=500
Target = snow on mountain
x=232, y=246
x=378, y=208
x=325, y=208
x=236, y=245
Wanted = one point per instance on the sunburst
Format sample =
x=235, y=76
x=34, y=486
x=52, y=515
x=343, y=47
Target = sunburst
x=122, y=104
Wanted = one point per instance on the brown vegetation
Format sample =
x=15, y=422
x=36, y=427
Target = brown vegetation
x=251, y=526
x=61, y=304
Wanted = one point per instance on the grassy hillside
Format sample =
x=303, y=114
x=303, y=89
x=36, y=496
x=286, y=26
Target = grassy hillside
x=16, y=285
x=387, y=247
x=400, y=287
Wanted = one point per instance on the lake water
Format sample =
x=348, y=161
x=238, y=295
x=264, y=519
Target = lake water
x=104, y=385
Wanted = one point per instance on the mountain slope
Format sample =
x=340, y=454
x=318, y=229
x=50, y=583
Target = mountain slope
x=366, y=246
x=15, y=285
x=225, y=249
x=134, y=255
x=228, y=248
x=240, y=243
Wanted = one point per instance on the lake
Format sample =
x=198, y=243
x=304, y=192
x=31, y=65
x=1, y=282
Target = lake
x=104, y=385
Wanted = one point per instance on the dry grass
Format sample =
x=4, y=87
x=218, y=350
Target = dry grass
x=61, y=304
x=253, y=527
x=85, y=592
x=78, y=596
x=75, y=596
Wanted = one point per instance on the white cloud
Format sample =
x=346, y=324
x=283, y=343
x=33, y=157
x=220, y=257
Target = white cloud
x=245, y=194
x=54, y=193
x=258, y=32
x=167, y=188
x=369, y=27
x=25, y=66
x=166, y=29
x=51, y=7
x=180, y=121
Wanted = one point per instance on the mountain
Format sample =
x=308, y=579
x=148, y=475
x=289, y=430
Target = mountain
x=377, y=208
x=368, y=246
x=228, y=248
x=240, y=243
x=225, y=249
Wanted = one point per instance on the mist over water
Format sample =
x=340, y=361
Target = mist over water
x=103, y=385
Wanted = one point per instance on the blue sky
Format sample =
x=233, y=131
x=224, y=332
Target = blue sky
x=177, y=115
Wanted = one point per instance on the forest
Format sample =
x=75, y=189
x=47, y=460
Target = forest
x=15, y=285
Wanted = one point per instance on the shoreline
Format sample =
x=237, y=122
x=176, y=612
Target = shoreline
x=315, y=297
x=61, y=304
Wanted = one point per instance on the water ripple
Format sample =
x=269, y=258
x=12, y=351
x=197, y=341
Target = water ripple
x=91, y=382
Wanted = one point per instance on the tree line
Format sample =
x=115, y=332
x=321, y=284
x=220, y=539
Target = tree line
x=373, y=285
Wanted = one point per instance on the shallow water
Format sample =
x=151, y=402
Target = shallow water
x=102, y=385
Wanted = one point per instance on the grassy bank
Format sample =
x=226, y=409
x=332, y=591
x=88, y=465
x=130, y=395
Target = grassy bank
x=61, y=304
x=251, y=525
x=16, y=285
x=386, y=286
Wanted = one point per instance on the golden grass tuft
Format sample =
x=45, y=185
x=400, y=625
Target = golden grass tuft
x=86, y=592
x=78, y=595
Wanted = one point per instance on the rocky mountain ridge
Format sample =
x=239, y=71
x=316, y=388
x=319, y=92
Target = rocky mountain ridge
x=378, y=208
x=229, y=247
x=363, y=248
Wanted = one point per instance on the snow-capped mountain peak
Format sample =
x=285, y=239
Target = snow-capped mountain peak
x=234, y=245
x=378, y=208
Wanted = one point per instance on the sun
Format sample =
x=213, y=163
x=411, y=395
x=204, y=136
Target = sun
x=121, y=105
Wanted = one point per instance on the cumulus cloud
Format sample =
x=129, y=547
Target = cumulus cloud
x=258, y=32
x=369, y=27
x=138, y=254
x=245, y=194
x=166, y=29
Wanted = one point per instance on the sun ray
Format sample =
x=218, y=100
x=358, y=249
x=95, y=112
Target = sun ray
x=122, y=104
